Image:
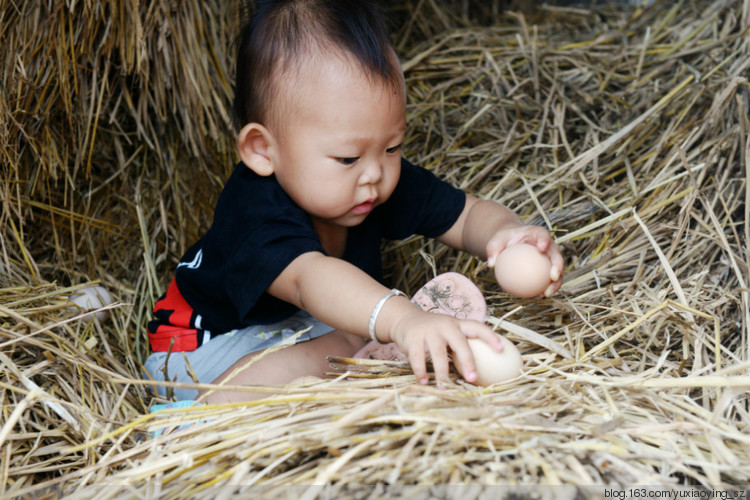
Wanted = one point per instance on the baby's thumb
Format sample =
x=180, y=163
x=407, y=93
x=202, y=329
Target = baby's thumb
x=494, y=247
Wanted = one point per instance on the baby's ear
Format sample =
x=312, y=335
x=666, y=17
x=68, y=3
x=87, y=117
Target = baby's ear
x=254, y=144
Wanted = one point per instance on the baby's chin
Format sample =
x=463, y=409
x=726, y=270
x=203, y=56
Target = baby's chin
x=352, y=219
x=344, y=221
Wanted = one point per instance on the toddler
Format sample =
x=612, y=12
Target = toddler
x=293, y=253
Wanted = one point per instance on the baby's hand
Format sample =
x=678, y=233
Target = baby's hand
x=532, y=235
x=418, y=332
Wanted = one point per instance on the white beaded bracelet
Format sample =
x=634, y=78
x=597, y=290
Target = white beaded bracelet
x=376, y=311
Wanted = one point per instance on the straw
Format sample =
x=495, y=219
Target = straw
x=624, y=131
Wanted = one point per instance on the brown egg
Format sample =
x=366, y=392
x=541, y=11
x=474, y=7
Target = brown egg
x=523, y=271
x=493, y=367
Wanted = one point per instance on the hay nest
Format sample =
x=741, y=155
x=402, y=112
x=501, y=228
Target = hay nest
x=626, y=132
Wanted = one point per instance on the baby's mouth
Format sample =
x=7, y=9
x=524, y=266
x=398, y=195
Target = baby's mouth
x=364, y=208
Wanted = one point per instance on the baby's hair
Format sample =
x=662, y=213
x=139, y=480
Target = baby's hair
x=281, y=34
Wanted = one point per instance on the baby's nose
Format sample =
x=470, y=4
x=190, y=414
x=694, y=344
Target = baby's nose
x=372, y=173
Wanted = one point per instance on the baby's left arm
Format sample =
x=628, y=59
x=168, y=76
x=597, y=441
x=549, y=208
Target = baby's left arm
x=486, y=228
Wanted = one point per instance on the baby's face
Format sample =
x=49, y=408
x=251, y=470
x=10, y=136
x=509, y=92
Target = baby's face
x=339, y=151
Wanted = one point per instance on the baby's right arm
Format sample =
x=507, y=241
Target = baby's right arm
x=342, y=296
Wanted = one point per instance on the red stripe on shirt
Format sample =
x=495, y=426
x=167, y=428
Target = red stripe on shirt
x=177, y=327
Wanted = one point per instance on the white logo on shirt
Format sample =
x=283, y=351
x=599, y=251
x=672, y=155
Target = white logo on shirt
x=193, y=264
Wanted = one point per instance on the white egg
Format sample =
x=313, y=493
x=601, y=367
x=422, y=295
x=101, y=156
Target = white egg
x=90, y=299
x=523, y=271
x=492, y=366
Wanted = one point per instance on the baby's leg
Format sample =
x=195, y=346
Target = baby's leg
x=283, y=366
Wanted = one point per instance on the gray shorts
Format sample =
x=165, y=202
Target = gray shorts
x=214, y=357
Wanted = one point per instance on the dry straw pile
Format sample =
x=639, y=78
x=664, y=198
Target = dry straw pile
x=624, y=131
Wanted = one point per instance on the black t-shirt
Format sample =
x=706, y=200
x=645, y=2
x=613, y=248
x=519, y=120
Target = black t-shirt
x=258, y=231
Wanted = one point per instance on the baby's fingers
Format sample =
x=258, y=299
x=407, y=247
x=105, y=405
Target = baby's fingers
x=494, y=248
x=476, y=330
x=439, y=355
x=551, y=289
x=463, y=356
x=417, y=362
x=463, y=359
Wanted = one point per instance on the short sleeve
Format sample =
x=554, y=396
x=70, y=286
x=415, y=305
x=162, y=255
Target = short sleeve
x=265, y=253
x=421, y=204
x=256, y=233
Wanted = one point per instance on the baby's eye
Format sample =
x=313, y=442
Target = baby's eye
x=394, y=149
x=348, y=161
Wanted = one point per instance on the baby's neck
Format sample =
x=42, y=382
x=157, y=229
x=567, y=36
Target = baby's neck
x=332, y=237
